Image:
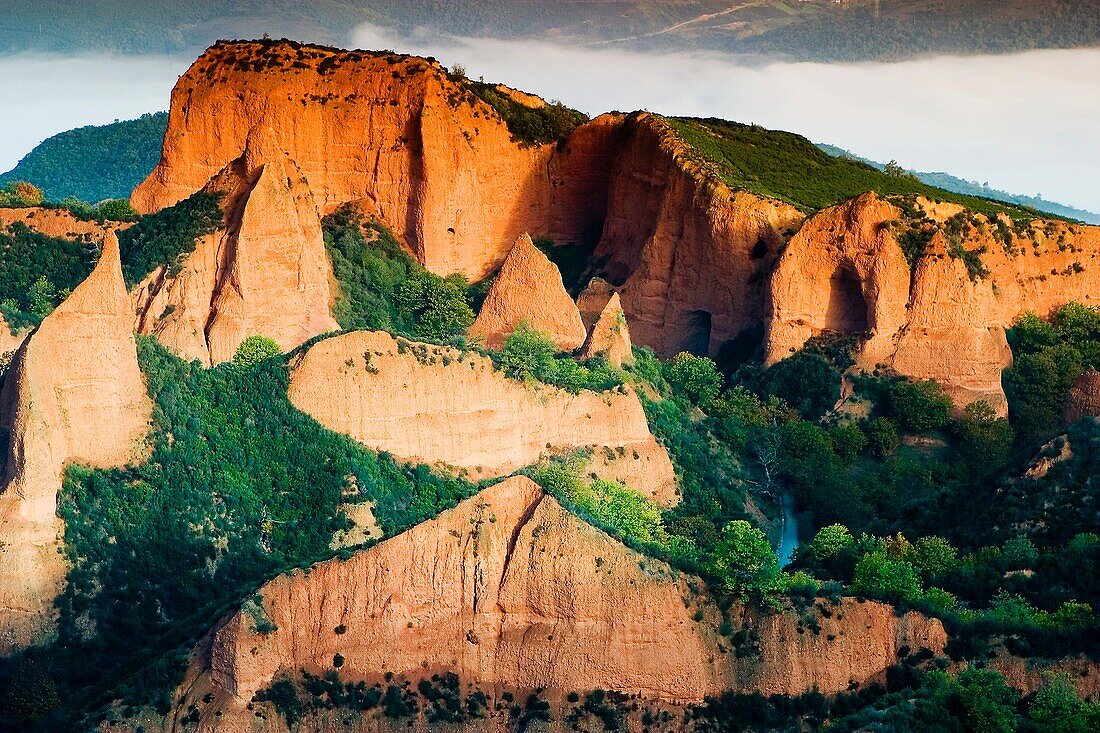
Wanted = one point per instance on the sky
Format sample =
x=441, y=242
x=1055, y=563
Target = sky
x=1025, y=123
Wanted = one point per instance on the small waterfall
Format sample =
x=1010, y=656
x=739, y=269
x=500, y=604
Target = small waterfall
x=788, y=540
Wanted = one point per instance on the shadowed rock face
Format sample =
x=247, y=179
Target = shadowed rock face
x=74, y=393
x=509, y=588
x=1084, y=398
x=266, y=273
x=529, y=289
x=844, y=271
x=436, y=405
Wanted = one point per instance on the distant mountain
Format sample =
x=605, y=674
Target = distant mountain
x=95, y=162
x=973, y=188
x=827, y=30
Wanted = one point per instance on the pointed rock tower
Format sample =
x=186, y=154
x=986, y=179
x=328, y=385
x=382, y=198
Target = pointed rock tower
x=610, y=335
x=74, y=393
x=266, y=273
x=529, y=288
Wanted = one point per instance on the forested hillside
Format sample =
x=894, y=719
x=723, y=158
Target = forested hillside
x=96, y=162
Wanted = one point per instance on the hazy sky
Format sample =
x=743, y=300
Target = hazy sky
x=1025, y=123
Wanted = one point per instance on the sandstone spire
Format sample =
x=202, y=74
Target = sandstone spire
x=74, y=392
x=529, y=289
x=610, y=335
x=1084, y=398
x=267, y=273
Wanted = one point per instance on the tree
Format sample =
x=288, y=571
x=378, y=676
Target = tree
x=985, y=440
x=745, y=561
x=880, y=576
x=893, y=169
x=694, y=377
x=848, y=441
x=1057, y=708
x=982, y=700
x=806, y=381
x=41, y=298
x=255, y=349
x=527, y=354
x=831, y=541
x=882, y=437
x=918, y=406
x=935, y=555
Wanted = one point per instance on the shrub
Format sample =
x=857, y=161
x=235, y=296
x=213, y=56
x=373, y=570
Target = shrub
x=695, y=377
x=831, y=541
x=882, y=437
x=881, y=576
x=527, y=354
x=918, y=406
x=255, y=349
x=806, y=381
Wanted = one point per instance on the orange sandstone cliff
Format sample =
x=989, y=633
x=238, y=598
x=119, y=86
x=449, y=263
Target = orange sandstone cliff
x=845, y=271
x=509, y=588
x=74, y=393
x=436, y=162
x=266, y=273
x=529, y=289
x=690, y=255
x=437, y=405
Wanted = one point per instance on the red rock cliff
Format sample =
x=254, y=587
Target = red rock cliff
x=266, y=273
x=508, y=588
x=845, y=271
x=74, y=393
x=436, y=405
x=437, y=163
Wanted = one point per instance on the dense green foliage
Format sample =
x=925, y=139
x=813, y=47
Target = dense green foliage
x=529, y=355
x=1048, y=357
x=790, y=168
x=168, y=236
x=551, y=123
x=96, y=162
x=239, y=487
x=383, y=288
x=37, y=272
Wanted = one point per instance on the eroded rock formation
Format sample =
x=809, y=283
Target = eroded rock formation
x=57, y=223
x=610, y=336
x=436, y=405
x=1084, y=398
x=845, y=271
x=266, y=273
x=438, y=163
x=509, y=588
x=691, y=256
x=529, y=290
x=74, y=393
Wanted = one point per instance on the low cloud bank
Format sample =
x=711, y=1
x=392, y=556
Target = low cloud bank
x=1026, y=123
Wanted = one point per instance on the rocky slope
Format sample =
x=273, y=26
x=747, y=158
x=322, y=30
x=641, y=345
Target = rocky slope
x=436, y=405
x=510, y=589
x=529, y=290
x=437, y=163
x=265, y=273
x=691, y=256
x=74, y=393
x=58, y=223
x=943, y=320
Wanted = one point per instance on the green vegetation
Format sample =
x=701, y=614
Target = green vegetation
x=790, y=168
x=383, y=288
x=37, y=272
x=255, y=349
x=529, y=355
x=551, y=123
x=1048, y=357
x=168, y=236
x=239, y=487
x=96, y=162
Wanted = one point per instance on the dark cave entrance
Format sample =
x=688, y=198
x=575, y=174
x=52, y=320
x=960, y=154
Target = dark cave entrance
x=697, y=337
x=846, y=311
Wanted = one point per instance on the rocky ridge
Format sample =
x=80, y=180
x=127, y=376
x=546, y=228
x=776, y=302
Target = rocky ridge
x=437, y=405
x=510, y=589
x=74, y=393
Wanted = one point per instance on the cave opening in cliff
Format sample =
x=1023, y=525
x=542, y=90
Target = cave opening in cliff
x=846, y=311
x=697, y=333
